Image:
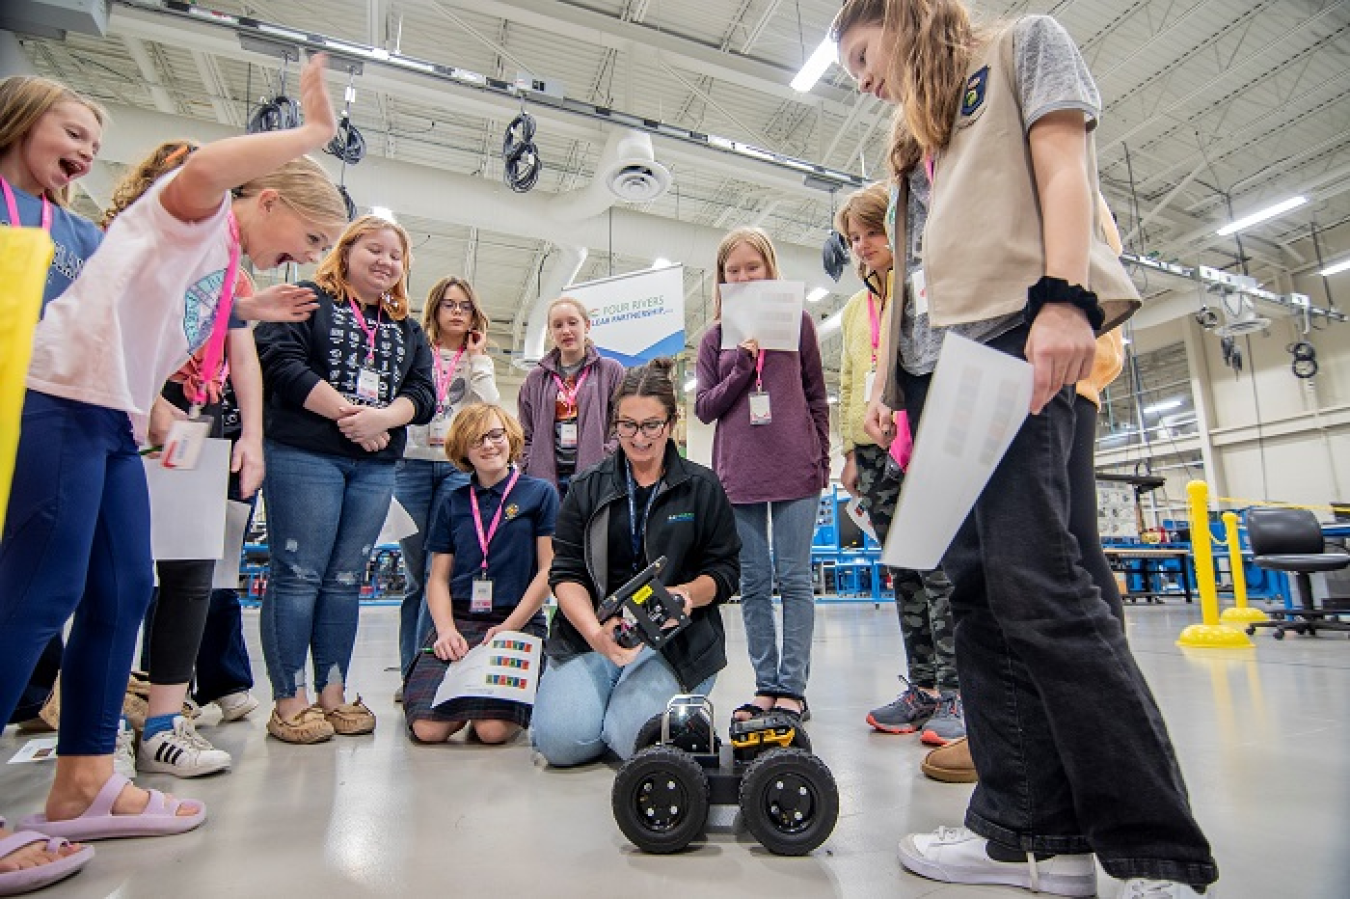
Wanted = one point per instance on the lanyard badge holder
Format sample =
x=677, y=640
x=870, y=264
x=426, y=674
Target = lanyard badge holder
x=567, y=430
x=183, y=445
x=651, y=614
x=439, y=428
x=368, y=378
x=760, y=413
x=481, y=600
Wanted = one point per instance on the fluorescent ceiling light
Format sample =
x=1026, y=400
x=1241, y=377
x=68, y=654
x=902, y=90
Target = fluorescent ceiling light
x=1336, y=267
x=383, y=212
x=832, y=400
x=825, y=54
x=1268, y=213
x=661, y=262
x=1125, y=341
x=1162, y=407
x=816, y=295
x=690, y=385
x=831, y=324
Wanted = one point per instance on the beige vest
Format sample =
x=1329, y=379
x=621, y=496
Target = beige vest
x=982, y=245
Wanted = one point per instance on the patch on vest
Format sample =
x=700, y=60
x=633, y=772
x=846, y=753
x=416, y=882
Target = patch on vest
x=973, y=98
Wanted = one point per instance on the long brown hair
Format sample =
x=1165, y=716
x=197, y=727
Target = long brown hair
x=759, y=241
x=331, y=274
x=138, y=179
x=25, y=99
x=867, y=207
x=933, y=41
x=477, y=322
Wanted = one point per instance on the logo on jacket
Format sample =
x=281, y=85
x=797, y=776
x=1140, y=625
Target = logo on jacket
x=974, y=95
x=199, y=309
x=680, y=516
x=512, y=511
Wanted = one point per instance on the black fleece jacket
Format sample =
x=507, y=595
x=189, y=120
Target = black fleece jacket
x=691, y=524
x=332, y=346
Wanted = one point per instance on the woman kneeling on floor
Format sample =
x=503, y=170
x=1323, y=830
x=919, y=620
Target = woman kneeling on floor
x=643, y=502
x=496, y=530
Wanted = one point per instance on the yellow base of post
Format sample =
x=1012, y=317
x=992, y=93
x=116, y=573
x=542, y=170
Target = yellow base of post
x=1245, y=615
x=1214, y=636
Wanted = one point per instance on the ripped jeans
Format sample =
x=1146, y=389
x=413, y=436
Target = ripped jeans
x=324, y=513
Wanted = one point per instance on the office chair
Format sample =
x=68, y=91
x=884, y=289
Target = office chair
x=1291, y=540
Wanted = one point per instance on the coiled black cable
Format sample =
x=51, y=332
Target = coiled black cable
x=348, y=144
x=520, y=155
x=280, y=114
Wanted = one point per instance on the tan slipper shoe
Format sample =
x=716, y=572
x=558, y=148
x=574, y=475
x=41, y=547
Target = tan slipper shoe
x=308, y=726
x=951, y=763
x=351, y=719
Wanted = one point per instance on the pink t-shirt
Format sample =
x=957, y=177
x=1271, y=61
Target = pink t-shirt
x=144, y=303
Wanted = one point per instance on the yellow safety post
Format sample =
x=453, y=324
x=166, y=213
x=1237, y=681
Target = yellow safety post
x=1240, y=613
x=1211, y=634
x=25, y=254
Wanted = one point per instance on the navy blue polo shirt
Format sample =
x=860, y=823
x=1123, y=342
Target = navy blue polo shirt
x=76, y=239
x=531, y=513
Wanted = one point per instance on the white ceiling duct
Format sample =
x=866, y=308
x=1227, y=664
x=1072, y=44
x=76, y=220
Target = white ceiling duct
x=1239, y=317
x=627, y=170
x=561, y=269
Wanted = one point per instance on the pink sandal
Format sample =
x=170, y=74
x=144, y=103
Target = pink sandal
x=12, y=883
x=98, y=822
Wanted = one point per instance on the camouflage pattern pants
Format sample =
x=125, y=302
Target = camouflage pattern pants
x=922, y=598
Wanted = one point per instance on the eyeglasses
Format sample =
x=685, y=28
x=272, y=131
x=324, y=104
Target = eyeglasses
x=496, y=435
x=451, y=306
x=652, y=428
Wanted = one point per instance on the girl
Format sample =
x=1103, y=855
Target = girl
x=343, y=386
x=470, y=540
x=772, y=472
x=457, y=328
x=49, y=136
x=995, y=126
x=565, y=401
x=930, y=702
x=77, y=536
x=177, y=619
x=644, y=501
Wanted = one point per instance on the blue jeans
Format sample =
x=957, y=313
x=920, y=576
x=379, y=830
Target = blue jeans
x=588, y=704
x=793, y=523
x=1072, y=751
x=324, y=513
x=421, y=487
x=76, y=540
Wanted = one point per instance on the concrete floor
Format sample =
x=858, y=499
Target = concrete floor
x=1263, y=737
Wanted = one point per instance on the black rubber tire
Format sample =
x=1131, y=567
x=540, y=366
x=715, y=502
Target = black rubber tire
x=1251, y=629
x=660, y=799
x=1279, y=633
x=801, y=739
x=649, y=734
x=790, y=801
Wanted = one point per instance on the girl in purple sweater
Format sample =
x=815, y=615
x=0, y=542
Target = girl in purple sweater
x=773, y=467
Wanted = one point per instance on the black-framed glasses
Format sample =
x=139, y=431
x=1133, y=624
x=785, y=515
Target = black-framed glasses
x=451, y=306
x=496, y=435
x=650, y=428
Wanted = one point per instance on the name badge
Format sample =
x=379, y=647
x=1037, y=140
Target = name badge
x=184, y=444
x=368, y=385
x=482, y=596
x=567, y=433
x=438, y=430
x=759, y=408
x=868, y=383
x=918, y=289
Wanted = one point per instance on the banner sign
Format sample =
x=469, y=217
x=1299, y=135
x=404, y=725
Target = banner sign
x=636, y=317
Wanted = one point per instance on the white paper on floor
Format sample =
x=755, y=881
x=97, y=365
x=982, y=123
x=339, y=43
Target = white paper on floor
x=976, y=403
x=43, y=749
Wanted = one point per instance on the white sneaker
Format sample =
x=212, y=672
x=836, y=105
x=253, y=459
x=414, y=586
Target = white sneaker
x=124, y=756
x=234, y=706
x=956, y=855
x=181, y=752
x=1139, y=888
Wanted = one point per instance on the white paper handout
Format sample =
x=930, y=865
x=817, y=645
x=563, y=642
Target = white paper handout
x=768, y=311
x=397, y=524
x=187, y=506
x=506, y=667
x=860, y=516
x=227, y=569
x=43, y=749
x=976, y=403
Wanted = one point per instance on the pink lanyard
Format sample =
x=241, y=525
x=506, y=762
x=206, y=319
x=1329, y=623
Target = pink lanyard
x=875, y=323
x=928, y=166
x=571, y=395
x=484, y=539
x=369, y=331
x=443, y=380
x=13, y=207
x=215, y=347
x=759, y=371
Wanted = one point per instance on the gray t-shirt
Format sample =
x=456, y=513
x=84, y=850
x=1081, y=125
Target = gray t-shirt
x=1051, y=76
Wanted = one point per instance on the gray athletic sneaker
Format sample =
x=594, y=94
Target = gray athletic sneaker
x=948, y=722
x=906, y=714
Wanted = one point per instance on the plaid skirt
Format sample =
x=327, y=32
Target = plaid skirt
x=427, y=671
